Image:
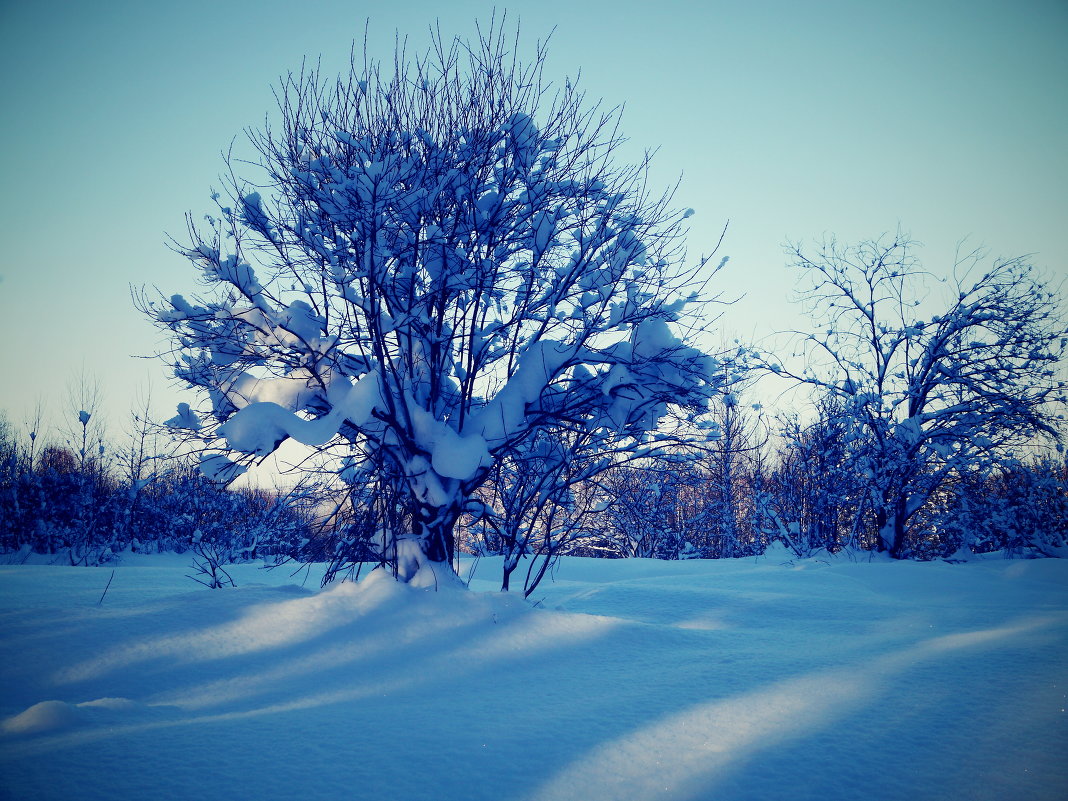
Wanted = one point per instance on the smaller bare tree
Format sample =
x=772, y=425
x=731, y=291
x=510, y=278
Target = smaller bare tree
x=929, y=394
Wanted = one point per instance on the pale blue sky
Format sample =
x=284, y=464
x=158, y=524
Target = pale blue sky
x=789, y=119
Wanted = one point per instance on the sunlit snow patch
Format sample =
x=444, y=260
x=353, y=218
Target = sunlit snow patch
x=55, y=716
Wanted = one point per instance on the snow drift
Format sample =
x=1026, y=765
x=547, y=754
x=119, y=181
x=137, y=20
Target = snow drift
x=629, y=679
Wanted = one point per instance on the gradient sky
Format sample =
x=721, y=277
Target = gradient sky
x=791, y=120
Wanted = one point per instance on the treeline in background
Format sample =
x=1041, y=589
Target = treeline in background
x=77, y=495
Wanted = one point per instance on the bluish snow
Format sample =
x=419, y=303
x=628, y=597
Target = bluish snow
x=631, y=679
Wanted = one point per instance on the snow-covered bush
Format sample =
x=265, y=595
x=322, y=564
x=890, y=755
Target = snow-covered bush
x=209, y=563
x=437, y=264
x=1019, y=508
x=12, y=469
x=814, y=496
x=59, y=504
x=658, y=509
x=240, y=525
x=541, y=501
x=54, y=500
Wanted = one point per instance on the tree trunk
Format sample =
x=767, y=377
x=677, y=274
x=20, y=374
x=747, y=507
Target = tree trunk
x=433, y=527
x=897, y=547
x=890, y=521
x=509, y=567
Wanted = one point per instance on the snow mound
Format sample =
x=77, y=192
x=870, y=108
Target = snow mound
x=48, y=717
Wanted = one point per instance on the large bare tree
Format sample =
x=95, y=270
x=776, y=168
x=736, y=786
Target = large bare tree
x=432, y=262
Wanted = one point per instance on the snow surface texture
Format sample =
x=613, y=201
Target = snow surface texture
x=633, y=679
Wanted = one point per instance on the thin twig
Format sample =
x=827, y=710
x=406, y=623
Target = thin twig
x=105, y=592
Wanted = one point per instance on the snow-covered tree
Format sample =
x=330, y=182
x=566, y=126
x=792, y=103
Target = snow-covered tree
x=436, y=263
x=14, y=464
x=659, y=508
x=815, y=496
x=731, y=461
x=929, y=394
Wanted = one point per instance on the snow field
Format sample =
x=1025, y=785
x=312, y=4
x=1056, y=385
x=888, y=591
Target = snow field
x=631, y=679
